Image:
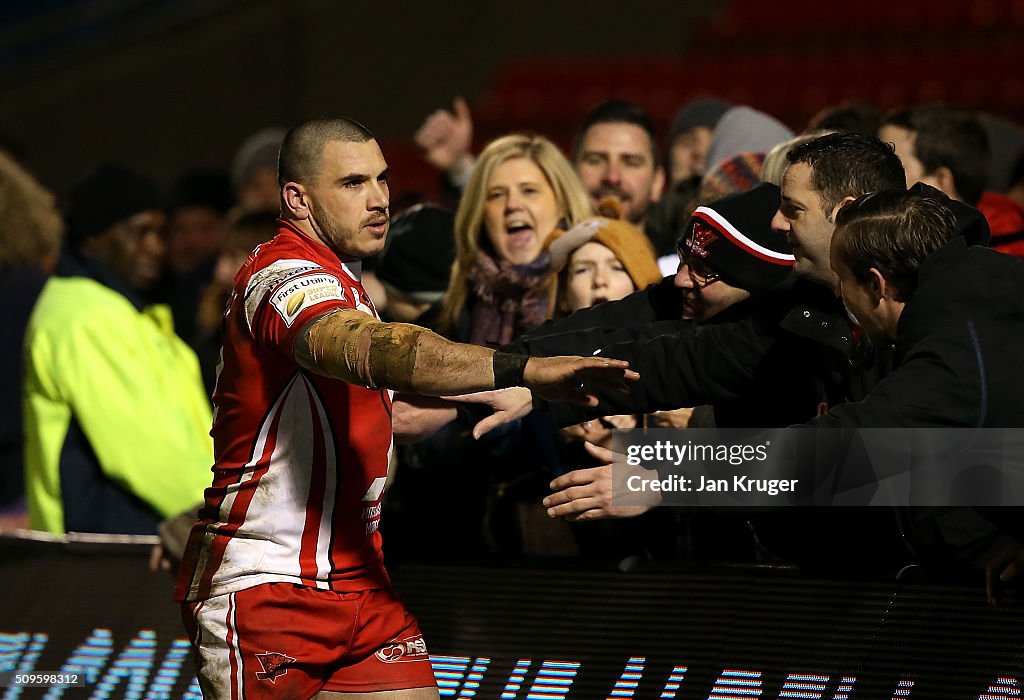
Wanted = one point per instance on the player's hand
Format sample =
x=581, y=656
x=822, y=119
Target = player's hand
x=446, y=138
x=508, y=405
x=1005, y=567
x=586, y=494
x=574, y=378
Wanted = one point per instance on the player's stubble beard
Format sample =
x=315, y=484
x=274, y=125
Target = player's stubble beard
x=330, y=232
x=335, y=235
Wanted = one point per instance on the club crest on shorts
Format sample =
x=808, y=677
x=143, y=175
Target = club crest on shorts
x=274, y=665
x=411, y=649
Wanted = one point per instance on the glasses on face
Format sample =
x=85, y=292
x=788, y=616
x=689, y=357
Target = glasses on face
x=700, y=274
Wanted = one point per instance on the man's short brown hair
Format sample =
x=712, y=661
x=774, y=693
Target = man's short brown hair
x=893, y=231
x=847, y=164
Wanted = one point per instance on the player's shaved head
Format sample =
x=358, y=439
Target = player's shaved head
x=303, y=146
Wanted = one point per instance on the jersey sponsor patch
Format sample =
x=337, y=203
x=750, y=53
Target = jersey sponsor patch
x=292, y=286
x=264, y=281
x=298, y=294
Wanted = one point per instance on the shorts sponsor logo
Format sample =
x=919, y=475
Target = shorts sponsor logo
x=296, y=295
x=411, y=649
x=274, y=665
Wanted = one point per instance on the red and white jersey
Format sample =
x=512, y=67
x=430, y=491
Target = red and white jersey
x=301, y=459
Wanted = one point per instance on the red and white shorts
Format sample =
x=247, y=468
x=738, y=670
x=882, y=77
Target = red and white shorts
x=280, y=640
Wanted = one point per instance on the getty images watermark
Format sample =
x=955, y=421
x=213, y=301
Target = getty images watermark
x=666, y=451
x=820, y=467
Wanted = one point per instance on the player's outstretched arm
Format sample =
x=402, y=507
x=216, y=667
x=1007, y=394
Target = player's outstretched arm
x=357, y=348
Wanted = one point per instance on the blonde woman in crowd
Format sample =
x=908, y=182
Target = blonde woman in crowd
x=521, y=190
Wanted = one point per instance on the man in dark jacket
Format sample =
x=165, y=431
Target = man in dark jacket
x=952, y=313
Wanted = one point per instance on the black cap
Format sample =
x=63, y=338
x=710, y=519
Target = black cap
x=733, y=235
x=109, y=194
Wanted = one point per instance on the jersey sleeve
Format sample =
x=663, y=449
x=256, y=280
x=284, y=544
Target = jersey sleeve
x=281, y=298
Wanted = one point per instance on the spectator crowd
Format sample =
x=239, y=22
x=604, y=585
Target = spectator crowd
x=754, y=276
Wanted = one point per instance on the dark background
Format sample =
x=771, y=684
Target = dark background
x=167, y=85
x=164, y=85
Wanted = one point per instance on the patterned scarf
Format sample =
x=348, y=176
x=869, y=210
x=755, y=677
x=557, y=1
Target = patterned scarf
x=505, y=300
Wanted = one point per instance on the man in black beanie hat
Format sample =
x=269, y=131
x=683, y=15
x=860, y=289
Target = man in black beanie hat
x=115, y=229
x=116, y=418
x=730, y=251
